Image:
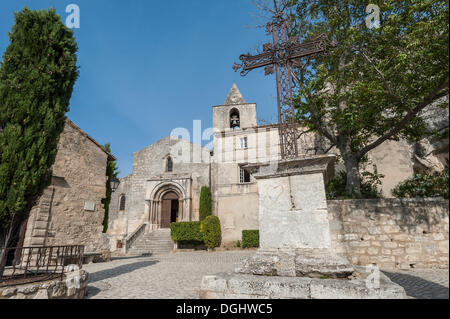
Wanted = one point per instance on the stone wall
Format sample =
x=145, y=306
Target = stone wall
x=393, y=233
x=51, y=289
x=70, y=211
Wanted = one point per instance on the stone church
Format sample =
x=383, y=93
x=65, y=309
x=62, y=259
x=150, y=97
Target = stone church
x=167, y=177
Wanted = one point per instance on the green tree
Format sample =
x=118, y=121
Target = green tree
x=37, y=75
x=434, y=184
x=210, y=227
x=205, y=208
x=375, y=83
x=111, y=172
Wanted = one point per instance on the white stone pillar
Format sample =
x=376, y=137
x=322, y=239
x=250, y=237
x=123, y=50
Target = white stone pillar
x=293, y=219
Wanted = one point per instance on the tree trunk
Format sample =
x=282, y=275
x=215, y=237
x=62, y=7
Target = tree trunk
x=351, y=161
x=353, y=185
x=4, y=254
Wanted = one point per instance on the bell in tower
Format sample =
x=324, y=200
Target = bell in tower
x=234, y=119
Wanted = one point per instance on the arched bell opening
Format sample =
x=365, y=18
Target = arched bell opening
x=235, y=120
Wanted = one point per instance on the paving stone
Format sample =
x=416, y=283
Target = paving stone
x=178, y=276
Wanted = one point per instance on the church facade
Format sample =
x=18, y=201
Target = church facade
x=167, y=176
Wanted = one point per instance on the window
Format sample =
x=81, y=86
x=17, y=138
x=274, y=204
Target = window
x=244, y=176
x=169, y=164
x=122, y=203
x=235, y=121
x=244, y=143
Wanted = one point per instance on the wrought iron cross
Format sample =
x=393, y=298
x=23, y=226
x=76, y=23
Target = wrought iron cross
x=284, y=53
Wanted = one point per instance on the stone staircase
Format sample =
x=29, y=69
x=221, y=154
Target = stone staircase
x=157, y=242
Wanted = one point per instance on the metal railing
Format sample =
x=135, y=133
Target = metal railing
x=31, y=264
x=134, y=236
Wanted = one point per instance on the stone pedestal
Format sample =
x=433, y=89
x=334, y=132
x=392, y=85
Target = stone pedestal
x=295, y=241
x=293, y=221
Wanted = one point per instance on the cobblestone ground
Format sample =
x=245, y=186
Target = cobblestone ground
x=178, y=276
x=422, y=283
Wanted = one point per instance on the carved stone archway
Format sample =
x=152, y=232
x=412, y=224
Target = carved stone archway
x=156, y=203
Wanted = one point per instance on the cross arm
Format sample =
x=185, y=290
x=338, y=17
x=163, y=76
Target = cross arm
x=251, y=62
x=313, y=47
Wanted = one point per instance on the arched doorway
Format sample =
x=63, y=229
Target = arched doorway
x=169, y=209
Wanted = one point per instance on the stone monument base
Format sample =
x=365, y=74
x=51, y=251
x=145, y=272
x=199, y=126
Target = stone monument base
x=243, y=286
x=295, y=259
x=311, y=263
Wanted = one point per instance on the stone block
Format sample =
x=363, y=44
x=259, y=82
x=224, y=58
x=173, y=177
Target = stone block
x=233, y=286
x=42, y=294
x=444, y=247
x=401, y=237
x=413, y=251
x=398, y=251
x=390, y=244
x=373, y=251
x=359, y=243
x=375, y=230
x=40, y=225
x=39, y=232
x=391, y=229
x=411, y=258
x=7, y=292
x=375, y=243
x=438, y=236
x=36, y=241
x=349, y=237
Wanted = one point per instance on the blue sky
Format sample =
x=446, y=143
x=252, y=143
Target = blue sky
x=149, y=66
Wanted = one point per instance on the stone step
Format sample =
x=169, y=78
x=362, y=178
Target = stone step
x=157, y=242
x=153, y=247
x=147, y=252
x=155, y=239
x=152, y=242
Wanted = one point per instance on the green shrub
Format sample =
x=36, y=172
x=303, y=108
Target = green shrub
x=423, y=185
x=210, y=227
x=186, y=232
x=336, y=187
x=250, y=238
x=205, y=208
x=238, y=244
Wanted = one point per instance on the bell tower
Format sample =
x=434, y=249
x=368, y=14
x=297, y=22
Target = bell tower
x=234, y=114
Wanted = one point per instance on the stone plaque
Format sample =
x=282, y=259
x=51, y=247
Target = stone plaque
x=89, y=206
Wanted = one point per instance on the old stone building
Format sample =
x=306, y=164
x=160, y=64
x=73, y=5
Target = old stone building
x=70, y=212
x=168, y=175
x=163, y=188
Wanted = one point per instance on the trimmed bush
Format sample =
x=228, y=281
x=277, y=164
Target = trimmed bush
x=250, y=238
x=186, y=232
x=205, y=208
x=423, y=185
x=210, y=227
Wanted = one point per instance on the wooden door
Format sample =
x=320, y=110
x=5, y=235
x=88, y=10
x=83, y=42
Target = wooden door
x=165, y=213
x=166, y=209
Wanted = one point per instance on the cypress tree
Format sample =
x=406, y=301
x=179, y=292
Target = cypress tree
x=37, y=74
x=205, y=208
x=111, y=172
